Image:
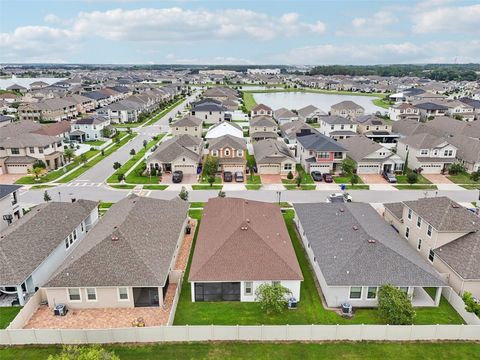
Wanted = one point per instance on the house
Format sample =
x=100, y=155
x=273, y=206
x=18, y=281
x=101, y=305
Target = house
x=84, y=104
x=210, y=112
x=126, y=260
x=190, y=125
x=404, y=111
x=337, y=127
x=224, y=128
x=261, y=110
x=263, y=127
x=289, y=131
x=182, y=153
x=56, y=109
x=23, y=143
x=273, y=157
x=10, y=210
x=121, y=112
x=429, y=110
x=17, y=88
x=468, y=151
x=376, y=128
x=445, y=233
x=231, y=152
x=310, y=114
x=347, y=109
x=430, y=153
x=371, y=157
x=460, y=110
x=90, y=128
x=242, y=244
x=317, y=152
x=352, y=260
x=283, y=116
x=32, y=251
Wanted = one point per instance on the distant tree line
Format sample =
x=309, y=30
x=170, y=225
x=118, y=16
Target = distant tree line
x=441, y=72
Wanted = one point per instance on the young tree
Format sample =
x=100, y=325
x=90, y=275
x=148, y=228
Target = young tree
x=412, y=178
x=116, y=139
x=132, y=152
x=211, y=180
x=298, y=180
x=394, y=306
x=36, y=171
x=46, y=196
x=121, y=177
x=145, y=143
x=116, y=165
x=102, y=153
x=470, y=304
x=272, y=297
x=69, y=154
x=210, y=165
x=183, y=194
x=94, y=352
x=83, y=159
x=106, y=132
x=354, y=179
x=348, y=167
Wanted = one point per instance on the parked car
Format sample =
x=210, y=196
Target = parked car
x=227, y=176
x=390, y=177
x=177, y=176
x=239, y=176
x=327, y=178
x=316, y=175
x=339, y=197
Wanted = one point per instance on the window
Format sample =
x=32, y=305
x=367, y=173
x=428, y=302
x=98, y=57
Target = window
x=332, y=127
x=431, y=255
x=91, y=294
x=239, y=152
x=404, y=289
x=409, y=215
x=82, y=226
x=372, y=292
x=40, y=150
x=448, y=153
x=122, y=293
x=429, y=230
x=74, y=294
x=419, y=244
x=355, y=292
x=407, y=232
x=419, y=221
x=227, y=152
x=32, y=150
x=323, y=155
x=424, y=152
x=275, y=283
x=15, y=151
x=248, y=288
x=214, y=153
x=287, y=166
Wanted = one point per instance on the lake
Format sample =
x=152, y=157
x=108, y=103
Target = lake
x=25, y=82
x=298, y=100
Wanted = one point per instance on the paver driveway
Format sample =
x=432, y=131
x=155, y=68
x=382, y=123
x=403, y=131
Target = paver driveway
x=373, y=179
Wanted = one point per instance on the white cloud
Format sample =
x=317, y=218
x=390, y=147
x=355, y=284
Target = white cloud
x=448, y=19
x=376, y=25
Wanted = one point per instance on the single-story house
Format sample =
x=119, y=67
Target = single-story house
x=283, y=116
x=242, y=244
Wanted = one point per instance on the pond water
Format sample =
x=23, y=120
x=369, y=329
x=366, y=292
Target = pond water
x=298, y=100
x=25, y=82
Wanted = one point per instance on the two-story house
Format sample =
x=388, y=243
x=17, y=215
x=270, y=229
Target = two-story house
x=261, y=110
x=310, y=114
x=337, y=127
x=56, y=109
x=429, y=110
x=283, y=116
x=317, y=152
x=210, y=112
x=10, y=210
x=404, y=111
x=445, y=233
x=190, y=125
x=347, y=109
x=377, y=129
x=231, y=152
x=89, y=128
x=428, y=152
x=263, y=127
x=460, y=109
x=273, y=157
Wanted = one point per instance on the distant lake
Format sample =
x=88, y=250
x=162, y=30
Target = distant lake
x=25, y=82
x=298, y=100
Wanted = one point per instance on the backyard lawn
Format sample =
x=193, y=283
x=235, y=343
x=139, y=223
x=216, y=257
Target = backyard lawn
x=248, y=100
x=310, y=309
x=7, y=314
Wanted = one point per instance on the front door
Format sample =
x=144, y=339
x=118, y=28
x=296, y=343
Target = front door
x=387, y=168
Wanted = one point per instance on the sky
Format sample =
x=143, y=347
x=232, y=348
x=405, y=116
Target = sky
x=239, y=32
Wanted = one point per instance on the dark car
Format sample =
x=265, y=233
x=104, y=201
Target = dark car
x=390, y=177
x=177, y=176
x=327, y=178
x=316, y=175
x=227, y=176
x=238, y=176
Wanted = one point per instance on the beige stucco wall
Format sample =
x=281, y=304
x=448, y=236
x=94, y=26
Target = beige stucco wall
x=107, y=297
x=188, y=130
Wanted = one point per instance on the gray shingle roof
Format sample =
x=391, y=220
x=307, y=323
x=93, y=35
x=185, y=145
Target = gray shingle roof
x=395, y=208
x=262, y=121
x=271, y=151
x=347, y=258
x=26, y=243
x=337, y=120
x=8, y=189
x=319, y=142
x=188, y=120
x=173, y=148
x=227, y=140
x=423, y=141
x=148, y=231
x=347, y=104
x=360, y=146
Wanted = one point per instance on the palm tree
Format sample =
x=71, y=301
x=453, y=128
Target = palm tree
x=36, y=171
x=69, y=154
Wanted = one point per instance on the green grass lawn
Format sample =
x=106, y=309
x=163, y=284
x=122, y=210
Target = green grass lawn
x=105, y=205
x=165, y=111
x=381, y=102
x=471, y=187
x=302, y=187
x=306, y=177
x=204, y=179
x=135, y=178
x=123, y=186
x=254, y=179
x=197, y=204
x=207, y=187
x=95, y=142
x=39, y=187
x=155, y=187
x=7, y=314
x=268, y=351
x=402, y=179
x=253, y=187
x=463, y=178
x=357, y=187
x=248, y=100
x=415, y=187
x=345, y=179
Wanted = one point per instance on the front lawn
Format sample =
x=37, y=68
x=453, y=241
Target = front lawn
x=207, y=187
x=197, y=205
x=7, y=314
x=155, y=187
x=95, y=142
x=416, y=187
x=123, y=186
x=402, y=179
x=463, y=178
x=345, y=179
x=302, y=187
x=253, y=187
x=471, y=187
x=254, y=179
x=204, y=179
x=306, y=177
x=357, y=187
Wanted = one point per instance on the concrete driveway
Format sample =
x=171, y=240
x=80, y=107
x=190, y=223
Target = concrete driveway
x=10, y=178
x=437, y=179
x=373, y=179
x=187, y=179
x=271, y=179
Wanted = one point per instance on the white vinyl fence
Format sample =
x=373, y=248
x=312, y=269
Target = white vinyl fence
x=242, y=333
x=458, y=304
x=27, y=311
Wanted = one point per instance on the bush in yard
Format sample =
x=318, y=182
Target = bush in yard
x=470, y=304
x=456, y=168
x=412, y=178
x=132, y=152
x=121, y=177
x=36, y=171
x=272, y=297
x=46, y=196
x=211, y=180
x=69, y=154
x=222, y=194
x=153, y=171
x=475, y=176
x=348, y=166
x=94, y=352
x=116, y=165
x=290, y=175
x=39, y=164
x=183, y=194
x=394, y=306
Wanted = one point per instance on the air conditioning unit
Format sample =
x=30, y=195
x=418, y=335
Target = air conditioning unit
x=60, y=310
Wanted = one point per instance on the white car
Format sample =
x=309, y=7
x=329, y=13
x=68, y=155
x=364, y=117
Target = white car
x=339, y=197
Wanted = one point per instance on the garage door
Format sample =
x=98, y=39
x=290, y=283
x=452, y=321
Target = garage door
x=323, y=168
x=17, y=169
x=187, y=169
x=233, y=168
x=269, y=169
x=432, y=168
x=368, y=169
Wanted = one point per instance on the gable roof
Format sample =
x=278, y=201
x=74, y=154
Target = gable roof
x=261, y=107
x=360, y=146
x=310, y=109
x=271, y=151
x=224, y=128
x=347, y=104
x=423, y=141
x=188, y=120
x=335, y=119
x=132, y=245
x=90, y=120
x=27, y=242
x=227, y=141
x=8, y=189
x=348, y=257
x=262, y=120
x=243, y=239
x=319, y=142
x=284, y=113
x=171, y=149
x=468, y=149
x=55, y=129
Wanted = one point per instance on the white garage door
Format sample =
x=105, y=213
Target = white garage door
x=432, y=168
x=269, y=169
x=187, y=169
x=368, y=169
x=323, y=168
x=17, y=169
x=233, y=168
x=1, y=170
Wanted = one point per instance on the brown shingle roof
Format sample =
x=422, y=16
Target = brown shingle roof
x=243, y=240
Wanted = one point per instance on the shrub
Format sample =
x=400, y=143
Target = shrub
x=132, y=152
x=272, y=297
x=470, y=304
x=116, y=165
x=456, y=168
x=121, y=177
x=412, y=178
x=222, y=194
x=475, y=176
x=94, y=352
x=290, y=175
x=394, y=306
x=39, y=164
x=298, y=180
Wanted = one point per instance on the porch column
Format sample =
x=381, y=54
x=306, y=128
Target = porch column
x=160, y=297
x=438, y=296
x=21, y=299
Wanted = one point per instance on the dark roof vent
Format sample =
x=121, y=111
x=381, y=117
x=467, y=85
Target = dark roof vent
x=371, y=241
x=455, y=205
x=355, y=227
x=115, y=238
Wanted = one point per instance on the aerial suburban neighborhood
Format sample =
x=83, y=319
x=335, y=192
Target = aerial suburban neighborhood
x=167, y=191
